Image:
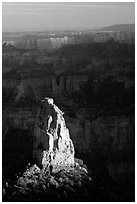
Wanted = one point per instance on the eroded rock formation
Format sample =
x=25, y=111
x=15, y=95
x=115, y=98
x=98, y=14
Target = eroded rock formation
x=57, y=170
x=25, y=91
x=52, y=147
x=54, y=43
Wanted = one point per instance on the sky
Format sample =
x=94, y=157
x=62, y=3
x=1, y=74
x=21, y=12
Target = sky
x=27, y=16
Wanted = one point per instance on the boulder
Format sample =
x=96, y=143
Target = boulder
x=53, y=147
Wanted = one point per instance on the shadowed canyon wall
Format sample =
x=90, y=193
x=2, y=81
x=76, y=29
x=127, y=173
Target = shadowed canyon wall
x=90, y=76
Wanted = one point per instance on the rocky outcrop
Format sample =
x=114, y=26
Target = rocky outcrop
x=57, y=169
x=37, y=184
x=52, y=147
x=101, y=134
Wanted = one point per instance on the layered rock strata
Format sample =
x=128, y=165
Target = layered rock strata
x=51, y=44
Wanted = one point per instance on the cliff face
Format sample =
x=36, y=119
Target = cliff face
x=103, y=134
x=53, y=43
x=48, y=44
x=67, y=84
x=46, y=85
x=18, y=118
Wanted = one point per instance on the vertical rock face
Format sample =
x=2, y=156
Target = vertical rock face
x=53, y=146
x=25, y=91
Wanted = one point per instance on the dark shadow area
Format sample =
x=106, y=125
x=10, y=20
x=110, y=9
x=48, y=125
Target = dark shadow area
x=16, y=152
x=113, y=174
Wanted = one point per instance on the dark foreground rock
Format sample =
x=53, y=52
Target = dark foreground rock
x=35, y=184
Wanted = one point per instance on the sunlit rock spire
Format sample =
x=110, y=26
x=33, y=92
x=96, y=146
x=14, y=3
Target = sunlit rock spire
x=52, y=146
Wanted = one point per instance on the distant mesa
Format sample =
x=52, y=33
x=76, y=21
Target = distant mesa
x=120, y=27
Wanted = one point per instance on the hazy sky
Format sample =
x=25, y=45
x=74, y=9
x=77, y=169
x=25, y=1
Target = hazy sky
x=65, y=15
